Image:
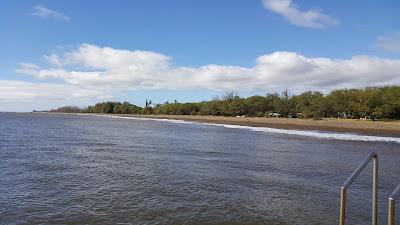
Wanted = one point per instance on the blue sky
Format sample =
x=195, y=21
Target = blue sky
x=231, y=36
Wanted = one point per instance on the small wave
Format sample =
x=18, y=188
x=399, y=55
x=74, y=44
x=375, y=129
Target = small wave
x=320, y=134
x=307, y=133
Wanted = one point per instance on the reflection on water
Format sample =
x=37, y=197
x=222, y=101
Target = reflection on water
x=97, y=170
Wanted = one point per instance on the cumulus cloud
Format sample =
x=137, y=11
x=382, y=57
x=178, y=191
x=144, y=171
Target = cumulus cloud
x=389, y=42
x=44, y=12
x=93, y=72
x=104, y=68
x=311, y=18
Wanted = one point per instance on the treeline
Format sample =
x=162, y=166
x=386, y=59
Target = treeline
x=67, y=109
x=368, y=103
x=114, y=107
x=103, y=107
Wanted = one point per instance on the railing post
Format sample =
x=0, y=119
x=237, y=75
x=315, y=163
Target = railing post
x=342, y=212
x=391, y=210
x=392, y=205
x=375, y=192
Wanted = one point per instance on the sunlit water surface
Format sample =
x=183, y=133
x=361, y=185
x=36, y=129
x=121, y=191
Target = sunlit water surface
x=58, y=169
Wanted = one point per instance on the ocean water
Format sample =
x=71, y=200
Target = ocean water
x=85, y=169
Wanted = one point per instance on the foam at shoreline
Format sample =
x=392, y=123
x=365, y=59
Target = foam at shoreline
x=307, y=133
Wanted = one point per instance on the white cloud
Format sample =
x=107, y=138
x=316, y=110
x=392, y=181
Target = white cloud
x=24, y=96
x=44, y=12
x=28, y=68
x=53, y=59
x=311, y=18
x=389, y=42
x=22, y=91
x=92, y=73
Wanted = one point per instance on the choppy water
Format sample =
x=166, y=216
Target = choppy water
x=58, y=169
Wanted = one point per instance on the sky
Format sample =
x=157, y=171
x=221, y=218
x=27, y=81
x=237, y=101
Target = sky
x=57, y=53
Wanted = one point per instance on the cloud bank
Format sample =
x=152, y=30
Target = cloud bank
x=90, y=72
x=44, y=12
x=312, y=18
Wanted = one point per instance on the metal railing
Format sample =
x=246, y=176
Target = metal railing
x=353, y=176
x=392, y=202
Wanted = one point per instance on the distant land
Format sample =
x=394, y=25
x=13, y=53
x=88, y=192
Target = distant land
x=372, y=111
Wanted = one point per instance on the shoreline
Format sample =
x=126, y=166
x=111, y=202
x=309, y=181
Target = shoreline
x=375, y=128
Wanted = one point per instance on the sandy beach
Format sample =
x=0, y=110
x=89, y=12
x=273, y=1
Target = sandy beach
x=378, y=128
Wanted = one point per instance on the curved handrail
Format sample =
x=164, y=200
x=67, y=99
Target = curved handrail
x=353, y=176
x=392, y=202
